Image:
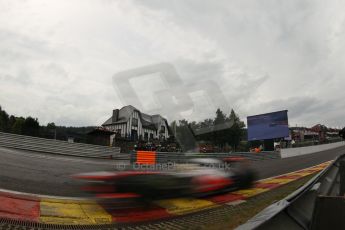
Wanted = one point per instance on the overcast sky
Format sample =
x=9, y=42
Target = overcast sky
x=58, y=58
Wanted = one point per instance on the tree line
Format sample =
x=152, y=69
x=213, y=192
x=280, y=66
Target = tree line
x=221, y=131
x=31, y=127
x=18, y=125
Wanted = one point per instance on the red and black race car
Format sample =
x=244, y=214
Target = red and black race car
x=198, y=178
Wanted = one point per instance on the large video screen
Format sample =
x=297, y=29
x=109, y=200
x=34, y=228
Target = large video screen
x=268, y=126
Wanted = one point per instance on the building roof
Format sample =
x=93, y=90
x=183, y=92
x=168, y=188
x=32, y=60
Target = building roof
x=148, y=121
x=100, y=131
x=124, y=114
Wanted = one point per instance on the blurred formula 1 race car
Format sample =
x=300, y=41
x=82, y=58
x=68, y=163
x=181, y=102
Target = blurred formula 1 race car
x=198, y=178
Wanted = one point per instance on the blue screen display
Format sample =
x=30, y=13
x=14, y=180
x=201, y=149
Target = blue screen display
x=268, y=126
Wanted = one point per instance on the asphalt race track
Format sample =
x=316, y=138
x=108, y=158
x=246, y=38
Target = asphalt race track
x=269, y=168
x=45, y=174
x=49, y=174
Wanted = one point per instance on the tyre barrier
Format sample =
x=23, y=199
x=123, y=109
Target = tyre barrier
x=58, y=211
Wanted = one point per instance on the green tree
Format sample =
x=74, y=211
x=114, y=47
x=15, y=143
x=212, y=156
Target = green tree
x=12, y=120
x=31, y=127
x=206, y=123
x=207, y=128
x=220, y=129
x=220, y=117
x=51, y=126
x=18, y=125
x=235, y=133
x=4, y=121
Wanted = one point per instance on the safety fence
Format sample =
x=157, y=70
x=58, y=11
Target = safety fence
x=59, y=147
x=319, y=204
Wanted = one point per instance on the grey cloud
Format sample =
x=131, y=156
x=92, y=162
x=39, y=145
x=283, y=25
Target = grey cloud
x=23, y=78
x=17, y=46
x=295, y=43
x=263, y=55
x=192, y=71
x=55, y=69
x=305, y=110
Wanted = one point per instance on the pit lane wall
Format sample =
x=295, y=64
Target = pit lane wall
x=291, y=152
x=53, y=211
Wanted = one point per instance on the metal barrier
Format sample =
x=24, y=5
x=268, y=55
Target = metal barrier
x=292, y=152
x=319, y=204
x=59, y=147
x=179, y=157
